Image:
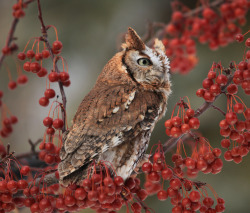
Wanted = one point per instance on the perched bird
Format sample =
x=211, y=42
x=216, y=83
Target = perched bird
x=115, y=120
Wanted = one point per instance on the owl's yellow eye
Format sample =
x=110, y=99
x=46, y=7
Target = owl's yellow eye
x=144, y=62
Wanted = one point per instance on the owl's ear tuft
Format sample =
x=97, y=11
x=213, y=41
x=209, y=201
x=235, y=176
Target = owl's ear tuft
x=133, y=41
x=158, y=45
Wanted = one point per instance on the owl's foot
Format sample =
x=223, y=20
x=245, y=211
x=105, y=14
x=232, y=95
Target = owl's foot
x=145, y=158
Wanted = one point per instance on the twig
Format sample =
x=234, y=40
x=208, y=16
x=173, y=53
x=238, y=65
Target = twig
x=218, y=109
x=33, y=145
x=45, y=39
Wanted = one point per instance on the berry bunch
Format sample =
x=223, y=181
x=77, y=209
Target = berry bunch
x=18, y=9
x=235, y=130
x=181, y=190
x=215, y=26
x=178, y=125
x=204, y=159
x=212, y=85
x=7, y=119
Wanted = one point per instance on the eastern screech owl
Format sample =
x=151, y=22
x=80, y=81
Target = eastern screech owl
x=115, y=120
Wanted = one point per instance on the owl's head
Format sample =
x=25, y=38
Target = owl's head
x=146, y=66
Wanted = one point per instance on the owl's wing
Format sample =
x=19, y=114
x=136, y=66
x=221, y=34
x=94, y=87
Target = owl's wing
x=102, y=120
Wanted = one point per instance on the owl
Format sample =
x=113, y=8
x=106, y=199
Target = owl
x=115, y=120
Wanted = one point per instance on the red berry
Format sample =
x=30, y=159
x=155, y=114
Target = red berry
x=209, y=97
x=49, y=93
x=168, y=124
x=175, y=183
x=50, y=131
x=194, y=196
x=21, y=56
x=238, y=108
x=42, y=72
x=190, y=163
x=208, y=13
x=66, y=83
x=45, y=53
x=154, y=176
x=12, y=185
x=57, y=45
x=6, y=51
x=175, y=132
x=207, y=83
x=22, y=184
x=53, y=77
x=231, y=118
x=30, y=54
x=239, y=37
x=215, y=89
x=58, y=123
x=221, y=80
x=232, y=89
x=22, y=79
x=167, y=174
x=26, y=66
x=147, y=167
x=64, y=76
x=45, y=204
x=185, y=128
x=12, y=85
x=177, y=16
x=211, y=75
x=43, y=101
x=247, y=43
x=194, y=123
x=162, y=195
x=190, y=113
x=35, y=67
x=225, y=143
x=118, y=180
x=25, y=170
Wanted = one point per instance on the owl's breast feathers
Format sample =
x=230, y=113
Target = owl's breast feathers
x=107, y=117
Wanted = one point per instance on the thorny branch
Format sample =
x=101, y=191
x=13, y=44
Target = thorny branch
x=45, y=39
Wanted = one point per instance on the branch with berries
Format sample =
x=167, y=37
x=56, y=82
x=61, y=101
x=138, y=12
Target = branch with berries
x=31, y=179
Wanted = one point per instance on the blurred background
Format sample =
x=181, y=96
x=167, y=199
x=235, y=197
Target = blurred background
x=90, y=31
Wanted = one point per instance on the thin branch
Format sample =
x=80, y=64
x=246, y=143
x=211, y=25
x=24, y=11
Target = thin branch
x=218, y=109
x=45, y=39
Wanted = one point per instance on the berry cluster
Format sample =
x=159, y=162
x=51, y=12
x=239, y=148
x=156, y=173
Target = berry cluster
x=181, y=190
x=203, y=159
x=215, y=26
x=7, y=119
x=213, y=83
x=100, y=191
x=178, y=125
x=236, y=130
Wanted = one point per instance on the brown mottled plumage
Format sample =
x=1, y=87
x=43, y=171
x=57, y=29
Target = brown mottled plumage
x=115, y=120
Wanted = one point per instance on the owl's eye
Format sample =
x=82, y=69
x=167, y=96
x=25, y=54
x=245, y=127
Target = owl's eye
x=144, y=62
